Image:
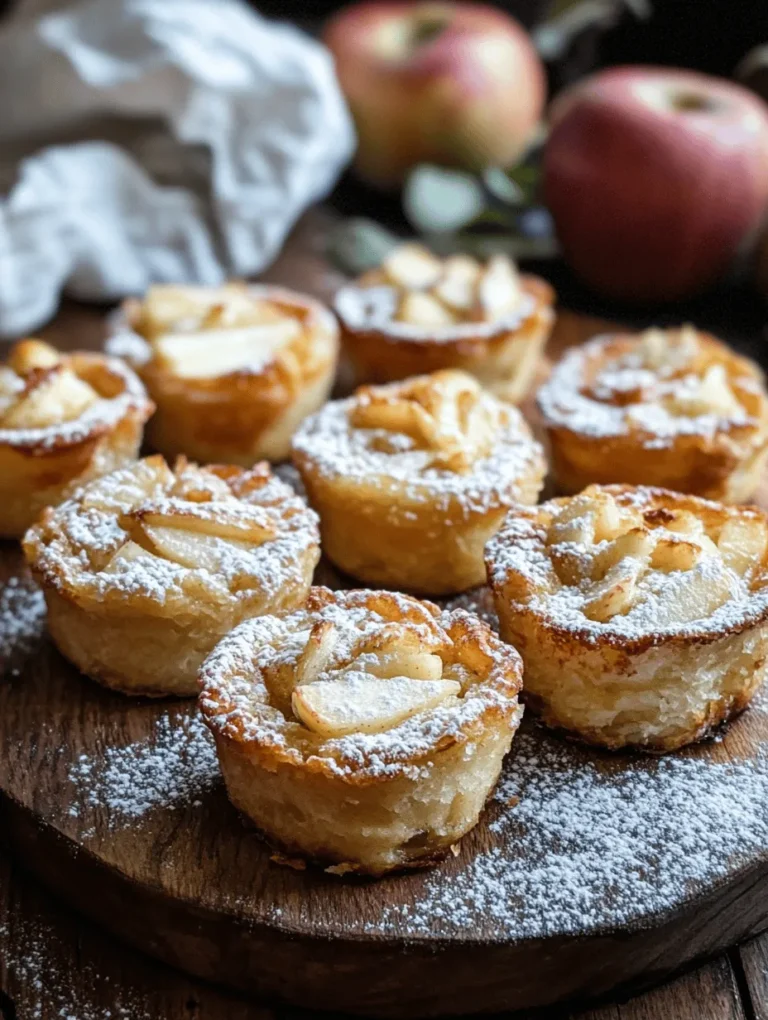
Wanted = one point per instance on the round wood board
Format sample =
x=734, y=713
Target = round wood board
x=588, y=871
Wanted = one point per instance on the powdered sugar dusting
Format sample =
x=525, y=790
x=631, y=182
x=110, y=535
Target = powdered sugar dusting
x=237, y=701
x=103, y=414
x=22, y=619
x=557, y=575
x=57, y=982
x=366, y=457
x=607, y=388
x=267, y=535
x=174, y=769
x=364, y=308
x=595, y=842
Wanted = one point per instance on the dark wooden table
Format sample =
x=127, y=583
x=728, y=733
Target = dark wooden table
x=56, y=966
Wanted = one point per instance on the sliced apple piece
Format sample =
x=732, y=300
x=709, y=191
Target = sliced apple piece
x=169, y=307
x=360, y=703
x=403, y=663
x=51, y=396
x=687, y=524
x=676, y=554
x=126, y=554
x=458, y=285
x=711, y=394
x=190, y=548
x=615, y=594
x=419, y=309
x=252, y=524
x=214, y=353
x=637, y=544
x=395, y=415
x=317, y=653
x=28, y=355
x=127, y=488
x=412, y=267
x=498, y=289
x=742, y=543
x=696, y=595
x=669, y=349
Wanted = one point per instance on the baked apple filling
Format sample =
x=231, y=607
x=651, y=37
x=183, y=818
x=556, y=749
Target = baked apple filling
x=411, y=479
x=442, y=414
x=64, y=419
x=674, y=408
x=167, y=560
x=365, y=729
x=232, y=369
x=640, y=613
x=419, y=313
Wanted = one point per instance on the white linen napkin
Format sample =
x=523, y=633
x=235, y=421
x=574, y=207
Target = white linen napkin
x=155, y=140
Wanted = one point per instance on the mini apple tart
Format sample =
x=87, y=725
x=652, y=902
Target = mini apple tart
x=365, y=730
x=419, y=313
x=641, y=614
x=412, y=479
x=64, y=419
x=144, y=570
x=674, y=408
x=232, y=369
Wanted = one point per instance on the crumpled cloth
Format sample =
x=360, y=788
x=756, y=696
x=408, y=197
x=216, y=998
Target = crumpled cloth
x=155, y=140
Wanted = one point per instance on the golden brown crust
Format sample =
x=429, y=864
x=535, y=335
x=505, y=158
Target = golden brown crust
x=145, y=569
x=360, y=798
x=641, y=614
x=411, y=479
x=696, y=424
x=240, y=415
x=502, y=355
x=42, y=463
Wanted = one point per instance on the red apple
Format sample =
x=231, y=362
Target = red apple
x=655, y=178
x=457, y=84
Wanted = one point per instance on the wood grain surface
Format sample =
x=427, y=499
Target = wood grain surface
x=189, y=885
x=54, y=965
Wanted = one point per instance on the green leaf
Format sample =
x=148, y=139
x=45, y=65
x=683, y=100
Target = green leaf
x=439, y=201
x=485, y=245
x=503, y=187
x=357, y=245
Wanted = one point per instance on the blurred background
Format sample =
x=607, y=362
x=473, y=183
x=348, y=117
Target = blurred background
x=182, y=139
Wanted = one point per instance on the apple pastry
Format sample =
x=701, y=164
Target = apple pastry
x=641, y=614
x=411, y=479
x=674, y=408
x=232, y=369
x=366, y=729
x=64, y=419
x=419, y=313
x=144, y=570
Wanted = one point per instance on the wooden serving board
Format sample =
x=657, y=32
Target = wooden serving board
x=587, y=873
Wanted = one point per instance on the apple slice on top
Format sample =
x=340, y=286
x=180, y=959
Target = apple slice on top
x=361, y=703
x=50, y=396
x=217, y=352
x=498, y=289
x=199, y=536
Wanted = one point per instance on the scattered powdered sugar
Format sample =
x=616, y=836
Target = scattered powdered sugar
x=174, y=769
x=707, y=596
x=365, y=308
x=22, y=618
x=266, y=538
x=237, y=702
x=594, y=842
x=623, y=395
x=57, y=979
x=97, y=417
x=338, y=450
